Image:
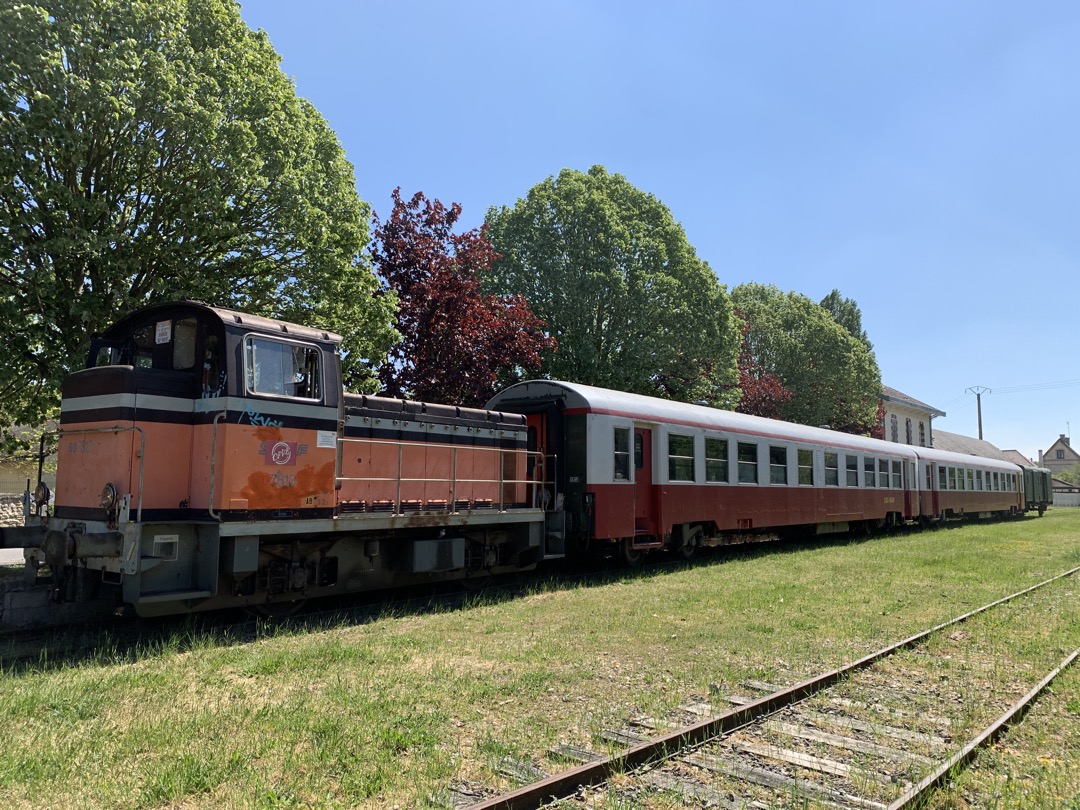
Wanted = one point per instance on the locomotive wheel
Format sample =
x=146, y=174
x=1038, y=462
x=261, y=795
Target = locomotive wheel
x=628, y=555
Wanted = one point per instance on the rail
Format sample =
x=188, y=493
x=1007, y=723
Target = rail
x=534, y=485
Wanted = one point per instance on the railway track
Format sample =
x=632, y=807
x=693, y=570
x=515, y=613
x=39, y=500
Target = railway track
x=879, y=733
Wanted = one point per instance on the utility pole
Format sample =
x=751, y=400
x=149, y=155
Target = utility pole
x=978, y=391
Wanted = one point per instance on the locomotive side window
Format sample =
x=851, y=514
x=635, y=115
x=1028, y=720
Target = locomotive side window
x=883, y=472
x=869, y=479
x=622, y=454
x=832, y=470
x=183, y=340
x=680, y=457
x=280, y=368
x=142, y=349
x=716, y=460
x=806, y=467
x=777, y=465
x=852, y=471
x=747, y=463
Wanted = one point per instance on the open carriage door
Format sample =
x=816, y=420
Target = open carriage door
x=645, y=517
x=541, y=474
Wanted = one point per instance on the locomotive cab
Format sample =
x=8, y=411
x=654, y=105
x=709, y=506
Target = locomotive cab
x=209, y=458
x=187, y=416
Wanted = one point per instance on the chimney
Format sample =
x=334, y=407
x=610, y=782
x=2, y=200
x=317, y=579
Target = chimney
x=1064, y=439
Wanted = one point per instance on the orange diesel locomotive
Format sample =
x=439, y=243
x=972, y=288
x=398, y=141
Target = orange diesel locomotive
x=209, y=458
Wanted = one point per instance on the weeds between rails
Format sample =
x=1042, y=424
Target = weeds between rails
x=734, y=757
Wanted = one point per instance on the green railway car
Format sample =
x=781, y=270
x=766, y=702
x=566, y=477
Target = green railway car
x=1037, y=490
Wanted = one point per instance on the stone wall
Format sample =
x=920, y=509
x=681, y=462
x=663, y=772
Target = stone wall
x=11, y=509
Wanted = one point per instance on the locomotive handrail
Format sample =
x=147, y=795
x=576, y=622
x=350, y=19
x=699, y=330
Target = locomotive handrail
x=117, y=429
x=454, y=480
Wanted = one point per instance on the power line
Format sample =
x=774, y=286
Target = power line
x=1017, y=389
x=1049, y=386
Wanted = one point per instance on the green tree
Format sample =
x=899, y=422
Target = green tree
x=153, y=149
x=621, y=289
x=846, y=313
x=1070, y=476
x=833, y=377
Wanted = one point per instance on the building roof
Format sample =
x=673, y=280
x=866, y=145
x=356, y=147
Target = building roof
x=968, y=446
x=892, y=395
x=1062, y=443
x=1016, y=457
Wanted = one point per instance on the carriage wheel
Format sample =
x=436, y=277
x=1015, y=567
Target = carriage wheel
x=629, y=556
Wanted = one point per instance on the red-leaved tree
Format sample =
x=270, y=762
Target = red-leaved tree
x=762, y=391
x=457, y=345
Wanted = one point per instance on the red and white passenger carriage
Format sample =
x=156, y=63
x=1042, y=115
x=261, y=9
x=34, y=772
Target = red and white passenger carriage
x=647, y=473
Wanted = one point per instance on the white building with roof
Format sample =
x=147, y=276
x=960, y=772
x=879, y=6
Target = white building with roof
x=907, y=420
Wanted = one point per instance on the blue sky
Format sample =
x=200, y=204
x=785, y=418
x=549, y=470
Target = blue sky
x=921, y=157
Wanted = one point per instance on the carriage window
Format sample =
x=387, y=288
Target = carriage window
x=777, y=465
x=960, y=482
x=978, y=480
x=806, y=467
x=622, y=454
x=747, y=463
x=883, y=472
x=832, y=470
x=716, y=460
x=869, y=479
x=952, y=477
x=942, y=482
x=929, y=478
x=897, y=475
x=997, y=485
x=282, y=369
x=680, y=457
x=852, y=471
x=971, y=479
x=639, y=451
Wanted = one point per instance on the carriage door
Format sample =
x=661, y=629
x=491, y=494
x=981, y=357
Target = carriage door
x=644, y=491
x=536, y=464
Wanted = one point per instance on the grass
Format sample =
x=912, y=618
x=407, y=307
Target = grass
x=394, y=710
